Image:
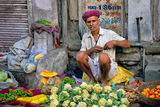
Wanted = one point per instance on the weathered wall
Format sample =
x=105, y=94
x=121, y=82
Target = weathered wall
x=70, y=30
x=139, y=8
x=156, y=19
x=45, y=9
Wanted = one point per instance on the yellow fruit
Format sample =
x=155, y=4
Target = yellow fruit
x=48, y=74
x=38, y=56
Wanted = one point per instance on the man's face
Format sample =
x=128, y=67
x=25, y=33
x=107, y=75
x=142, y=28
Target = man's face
x=93, y=23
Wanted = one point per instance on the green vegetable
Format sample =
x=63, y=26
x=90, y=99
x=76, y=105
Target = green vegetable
x=3, y=76
x=13, y=94
x=45, y=22
x=9, y=80
x=68, y=80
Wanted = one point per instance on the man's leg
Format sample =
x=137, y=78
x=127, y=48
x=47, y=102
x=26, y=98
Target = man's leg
x=82, y=59
x=104, y=63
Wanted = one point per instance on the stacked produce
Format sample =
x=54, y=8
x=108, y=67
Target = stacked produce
x=13, y=94
x=48, y=80
x=22, y=96
x=152, y=93
x=132, y=90
x=88, y=95
x=132, y=94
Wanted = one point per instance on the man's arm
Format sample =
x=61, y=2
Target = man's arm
x=114, y=43
x=123, y=43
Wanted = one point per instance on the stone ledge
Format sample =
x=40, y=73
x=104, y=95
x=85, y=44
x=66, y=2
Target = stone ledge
x=152, y=70
x=150, y=47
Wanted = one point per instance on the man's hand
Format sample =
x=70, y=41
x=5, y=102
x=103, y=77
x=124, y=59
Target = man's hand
x=110, y=44
x=96, y=49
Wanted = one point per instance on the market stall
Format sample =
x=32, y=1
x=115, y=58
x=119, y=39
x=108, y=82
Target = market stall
x=62, y=91
x=68, y=89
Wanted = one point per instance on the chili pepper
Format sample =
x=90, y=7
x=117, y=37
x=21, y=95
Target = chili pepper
x=30, y=91
x=22, y=92
x=1, y=99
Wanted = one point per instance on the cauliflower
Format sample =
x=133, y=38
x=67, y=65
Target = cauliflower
x=122, y=91
x=109, y=102
x=67, y=86
x=107, y=89
x=85, y=94
x=89, y=88
x=97, y=88
x=82, y=104
x=54, y=103
x=65, y=103
x=53, y=96
x=104, y=94
x=66, y=93
x=77, y=90
x=85, y=91
x=73, y=104
x=83, y=85
x=123, y=105
x=125, y=100
x=76, y=98
x=113, y=95
x=54, y=90
x=94, y=97
x=102, y=101
x=95, y=106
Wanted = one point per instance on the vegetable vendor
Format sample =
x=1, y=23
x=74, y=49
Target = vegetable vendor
x=97, y=54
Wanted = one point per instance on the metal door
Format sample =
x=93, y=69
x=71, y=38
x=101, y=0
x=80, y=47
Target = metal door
x=13, y=22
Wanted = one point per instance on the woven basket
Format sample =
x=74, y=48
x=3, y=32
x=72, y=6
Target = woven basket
x=148, y=100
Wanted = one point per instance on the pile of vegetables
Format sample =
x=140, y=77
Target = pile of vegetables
x=68, y=80
x=132, y=90
x=48, y=81
x=152, y=93
x=4, y=77
x=15, y=93
x=88, y=95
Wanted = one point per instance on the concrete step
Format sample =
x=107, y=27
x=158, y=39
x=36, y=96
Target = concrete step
x=152, y=71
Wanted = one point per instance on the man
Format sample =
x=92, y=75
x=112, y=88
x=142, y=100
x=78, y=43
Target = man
x=97, y=54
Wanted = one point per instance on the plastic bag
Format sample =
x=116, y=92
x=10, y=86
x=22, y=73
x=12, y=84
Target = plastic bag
x=4, y=85
x=122, y=76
